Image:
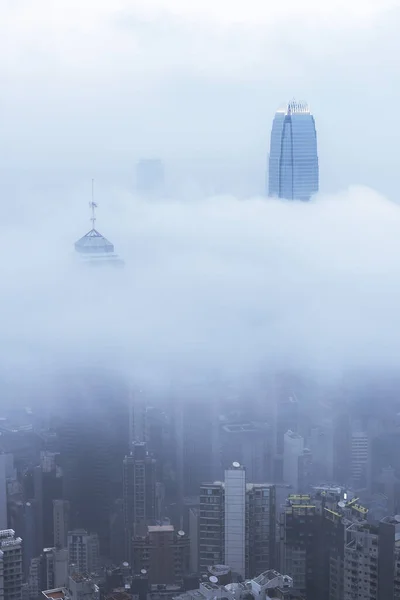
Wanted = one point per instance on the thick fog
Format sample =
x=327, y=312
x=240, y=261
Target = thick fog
x=230, y=286
x=231, y=283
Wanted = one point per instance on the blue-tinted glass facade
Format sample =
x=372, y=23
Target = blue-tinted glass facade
x=293, y=159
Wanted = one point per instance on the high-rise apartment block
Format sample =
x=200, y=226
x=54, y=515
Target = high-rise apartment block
x=293, y=159
x=237, y=524
x=11, y=548
x=60, y=522
x=163, y=553
x=83, y=551
x=332, y=551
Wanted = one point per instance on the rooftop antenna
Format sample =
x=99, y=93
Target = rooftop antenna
x=93, y=205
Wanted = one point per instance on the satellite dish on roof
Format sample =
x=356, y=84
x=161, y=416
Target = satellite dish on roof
x=181, y=533
x=236, y=465
x=397, y=517
x=341, y=504
x=143, y=572
x=213, y=579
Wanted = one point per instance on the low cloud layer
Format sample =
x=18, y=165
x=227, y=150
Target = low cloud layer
x=219, y=285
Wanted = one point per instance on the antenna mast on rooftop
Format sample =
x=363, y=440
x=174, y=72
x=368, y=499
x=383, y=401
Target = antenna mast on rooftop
x=93, y=205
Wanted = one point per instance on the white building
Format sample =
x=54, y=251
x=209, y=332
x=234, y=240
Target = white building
x=293, y=448
x=235, y=518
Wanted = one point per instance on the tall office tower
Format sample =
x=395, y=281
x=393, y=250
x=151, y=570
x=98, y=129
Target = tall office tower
x=235, y=519
x=293, y=159
x=194, y=517
x=61, y=527
x=237, y=524
x=47, y=483
x=197, y=437
x=137, y=417
x=293, y=450
x=11, y=547
x=3, y=492
x=250, y=444
x=150, y=176
x=93, y=434
x=31, y=546
x=163, y=553
x=359, y=456
x=139, y=491
x=285, y=415
x=83, y=551
x=321, y=444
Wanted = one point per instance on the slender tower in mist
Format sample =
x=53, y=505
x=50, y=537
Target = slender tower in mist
x=293, y=159
x=93, y=247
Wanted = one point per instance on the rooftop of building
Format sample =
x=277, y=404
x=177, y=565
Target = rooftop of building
x=55, y=594
x=294, y=107
x=93, y=241
x=93, y=247
x=249, y=486
x=293, y=435
x=275, y=585
x=160, y=528
x=119, y=594
x=242, y=427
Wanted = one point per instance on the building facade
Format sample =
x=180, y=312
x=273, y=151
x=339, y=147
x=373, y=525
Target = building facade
x=83, y=551
x=237, y=524
x=60, y=523
x=293, y=159
x=139, y=492
x=11, y=548
x=163, y=553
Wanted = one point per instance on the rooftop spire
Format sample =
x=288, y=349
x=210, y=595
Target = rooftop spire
x=93, y=205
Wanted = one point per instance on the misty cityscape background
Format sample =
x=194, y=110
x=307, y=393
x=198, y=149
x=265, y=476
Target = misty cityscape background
x=199, y=387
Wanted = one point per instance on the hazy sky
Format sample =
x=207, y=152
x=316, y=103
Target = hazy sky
x=88, y=87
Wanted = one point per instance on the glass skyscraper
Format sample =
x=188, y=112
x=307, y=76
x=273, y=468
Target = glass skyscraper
x=293, y=159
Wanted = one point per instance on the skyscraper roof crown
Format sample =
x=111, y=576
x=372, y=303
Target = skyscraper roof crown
x=294, y=107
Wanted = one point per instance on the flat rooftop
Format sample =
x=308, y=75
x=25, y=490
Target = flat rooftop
x=159, y=528
x=56, y=594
